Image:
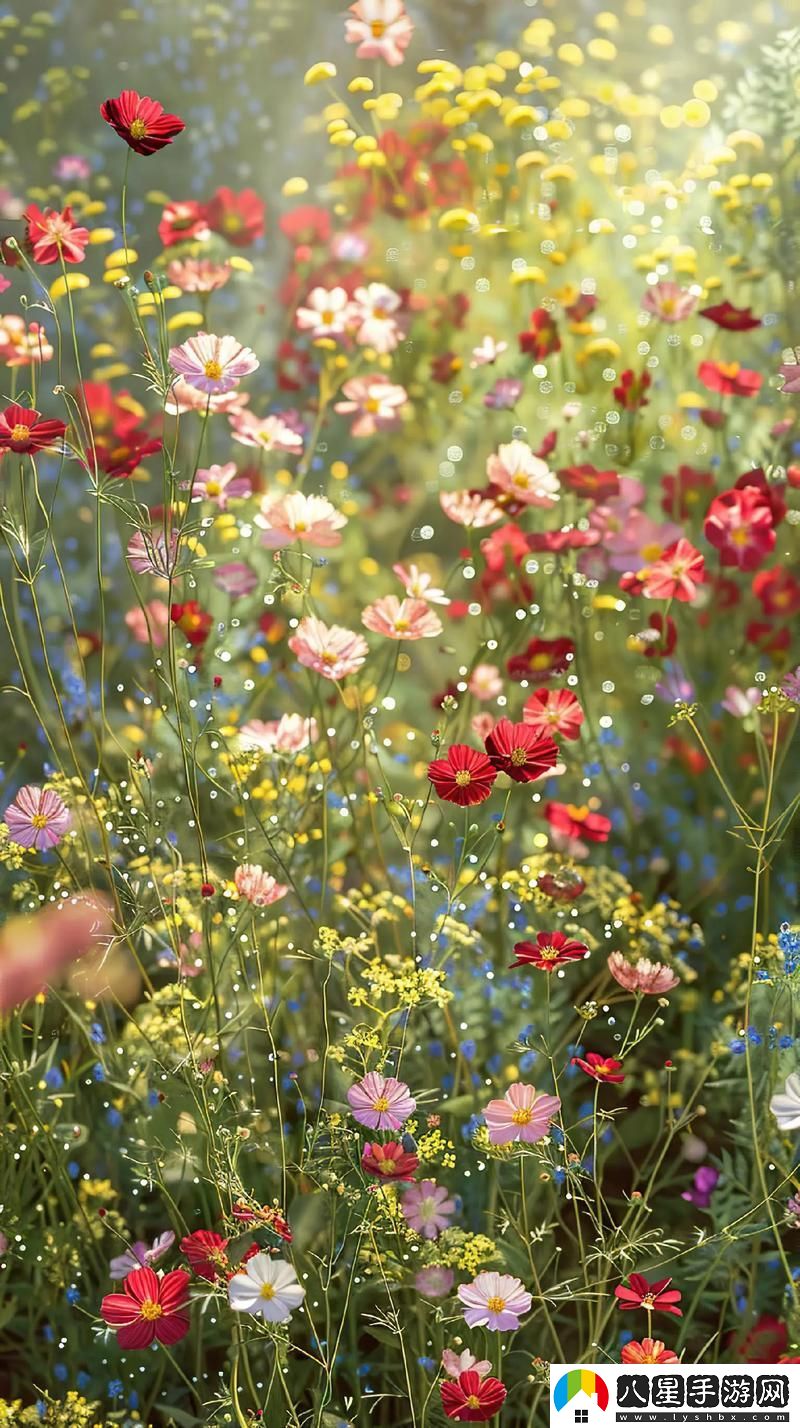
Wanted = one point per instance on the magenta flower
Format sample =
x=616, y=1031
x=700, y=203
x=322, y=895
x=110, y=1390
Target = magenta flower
x=427, y=1208
x=219, y=484
x=212, y=364
x=494, y=1301
x=380, y=1102
x=523, y=1113
x=37, y=818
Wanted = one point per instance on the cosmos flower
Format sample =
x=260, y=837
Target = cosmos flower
x=428, y=1208
x=600, y=1068
x=182, y=219
x=652, y=978
x=729, y=378
x=464, y=775
x=192, y=620
x=149, y=1308
x=37, y=818
x=494, y=1301
x=140, y=1254
x=268, y=433
x=740, y=524
x=732, y=319
x=649, y=1351
x=514, y=470
x=149, y=553
x=374, y=402
x=238, y=217
x=435, y=1281
x=668, y=301
x=470, y=1398
x=419, y=585
x=53, y=235
x=390, y=1161
x=401, y=619
x=454, y=1364
x=485, y=682
x=266, y=1287
x=219, y=484
x=523, y=1114
x=550, y=951
x=381, y=29
x=372, y=316
x=149, y=623
x=293, y=516
x=34, y=949
x=520, y=751
x=790, y=371
x=542, y=658
x=256, y=886
x=570, y=821
x=785, y=1104
x=212, y=364
x=487, y=352
x=324, y=313
x=553, y=711
x=205, y=1251
x=142, y=122
x=741, y=702
x=198, y=275
x=655, y=1296
x=474, y=509
x=329, y=650
x=287, y=735
x=24, y=430
x=676, y=575
x=22, y=343
x=380, y=1102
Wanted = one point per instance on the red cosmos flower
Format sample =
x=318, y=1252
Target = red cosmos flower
x=445, y=366
x=109, y=412
x=570, y=538
x=733, y=319
x=149, y=1308
x=389, y=1161
x=549, y=951
x=649, y=1351
x=574, y=822
x=767, y=639
x=23, y=430
x=601, y=1068
x=587, y=481
x=773, y=491
x=555, y=711
x=764, y=1343
x=470, y=1398
x=121, y=459
x=729, y=378
x=564, y=885
x=53, y=235
x=739, y=524
x=205, y=1251
x=643, y=1295
x=520, y=751
x=141, y=121
x=630, y=392
x=583, y=307
x=542, y=336
x=684, y=491
x=181, y=220
x=193, y=620
x=676, y=574
x=778, y=591
x=239, y=217
x=307, y=225
x=543, y=658
x=464, y=776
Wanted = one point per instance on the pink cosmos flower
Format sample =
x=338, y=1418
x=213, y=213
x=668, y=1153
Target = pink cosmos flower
x=141, y=1254
x=514, y=469
x=256, y=886
x=669, y=301
x=739, y=524
x=676, y=575
x=182, y=397
x=236, y=578
x=37, y=818
x=487, y=352
x=485, y=682
x=790, y=371
x=380, y=28
x=34, y=949
x=287, y=735
x=435, y=1282
x=22, y=344
x=311, y=520
x=740, y=702
x=494, y=1301
x=55, y=235
x=652, y=978
x=523, y=1113
x=198, y=275
x=553, y=711
x=324, y=313
x=455, y=1364
x=212, y=364
x=381, y=1102
x=402, y=619
x=329, y=650
x=374, y=402
x=372, y=316
x=470, y=508
x=149, y=624
x=268, y=433
x=148, y=554
x=419, y=585
x=219, y=484
x=428, y=1208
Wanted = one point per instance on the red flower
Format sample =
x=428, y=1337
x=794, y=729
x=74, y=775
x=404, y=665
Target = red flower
x=464, y=776
x=739, y=524
x=107, y=412
x=630, y=392
x=587, y=481
x=52, y=235
x=520, y=751
x=239, y=217
x=445, y=366
x=389, y=1161
x=470, y=1398
x=141, y=121
x=601, y=1068
x=684, y=491
x=642, y=1295
x=733, y=319
x=573, y=822
x=568, y=539
x=764, y=1343
x=564, y=885
x=767, y=639
x=649, y=1351
x=149, y=1308
x=549, y=951
x=542, y=658
x=778, y=591
x=306, y=225
x=205, y=1251
x=193, y=620
x=542, y=336
x=23, y=430
x=677, y=573
x=729, y=378
x=553, y=710
x=182, y=220
x=121, y=459
x=771, y=490
x=656, y=641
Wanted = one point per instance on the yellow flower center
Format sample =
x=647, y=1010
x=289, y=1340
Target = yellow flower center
x=150, y=1310
x=39, y=820
x=213, y=371
x=518, y=757
x=378, y=28
x=523, y=1116
x=371, y=405
x=740, y=536
x=495, y=1305
x=268, y=1291
x=473, y=1401
x=647, y=1302
x=301, y=527
x=213, y=488
x=402, y=625
x=138, y=129
x=381, y=1104
x=327, y=657
x=20, y=432
x=463, y=777
x=327, y=317
x=548, y=952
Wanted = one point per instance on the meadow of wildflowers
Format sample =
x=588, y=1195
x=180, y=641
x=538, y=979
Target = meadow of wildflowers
x=399, y=501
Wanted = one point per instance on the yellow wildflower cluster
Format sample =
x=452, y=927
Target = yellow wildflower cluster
x=433, y=1148
x=460, y=1250
x=11, y=854
x=73, y=1412
x=400, y=979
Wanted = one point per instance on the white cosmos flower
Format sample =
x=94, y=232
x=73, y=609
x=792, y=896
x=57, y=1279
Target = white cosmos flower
x=267, y=1287
x=785, y=1105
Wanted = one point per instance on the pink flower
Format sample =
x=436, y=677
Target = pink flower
x=325, y=312
x=268, y=433
x=435, y=1282
x=212, y=364
x=329, y=650
x=455, y=1364
x=37, y=818
x=419, y=584
x=740, y=702
x=494, y=1301
x=669, y=301
x=198, y=275
x=739, y=524
x=140, y=1254
x=485, y=682
x=219, y=484
x=553, y=711
x=523, y=1113
x=380, y=1102
x=256, y=886
x=790, y=371
x=148, y=554
x=402, y=619
x=427, y=1208
x=311, y=520
x=374, y=401
x=652, y=978
x=34, y=949
x=380, y=28
x=149, y=624
x=236, y=578
x=22, y=344
x=470, y=508
x=676, y=575
x=515, y=470
x=287, y=735
x=487, y=352
x=185, y=398
x=372, y=315
x=55, y=235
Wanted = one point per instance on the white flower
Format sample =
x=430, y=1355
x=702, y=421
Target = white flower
x=325, y=312
x=267, y=1287
x=785, y=1105
x=419, y=585
x=487, y=352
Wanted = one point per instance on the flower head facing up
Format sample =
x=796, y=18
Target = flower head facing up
x=390, y=1161
x=402, y=619
x=643, y=1295
x=553, y=711
x=601, y=1068
x=23, y=431
x=381, y=29
x=328, y=649
x=37, y=818
x=381, y=1102
x=256, y=886
x=148, y=1308
x=142, y=122
x=295, y=517
x=266, y=1287
x=464, y=776
x=520, y=751
x=428, y=1208
x=53, y=235
x=212, y=364
x=550, y=951
x=494, y=1301
x=649, y=1351
x=522, y=1114
x=470, y=1398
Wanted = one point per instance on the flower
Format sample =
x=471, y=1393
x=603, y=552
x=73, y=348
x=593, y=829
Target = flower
x=435, y=1281
x=192, y=620
x=389, y=1161
x=266, y=1287
x=22, y=344
x=740, y=524
x=472, y=1399
x=219, y=484
x=549, y=951
x=141, y=121
x=54, y=236
x=402, y=619
x=24, y=430
x=139, y=1255
x=454, y=1364
x=381, y=29
x=149, y=1308
x=669, y=301
x=785, y=1104
x=198, y=275
x=642, y=1295
x=37, y=818
x=732, y=319
x=330, y=650
x=520, y=751
x=729, y=378
x=182, y=219
x=325, y=312
x=239, y=217
x=652, y=978
x=541, y=339
x=380, y=1102
x=34, y=949
x=790, y=371
x=256, y=886
x=630, y=392
x=464, y=776
x=149, y=554
x=311, y=520
x=372, y=315
x=515, y=471
x=485, y=682
x=649, y=1351
x=494, y=1301
x=542, y=658
x=149, y=624
x=676, y=574
x=419, y=585
x=205, y=1251
x=504, y=395
x=212, y=364
x=269, y=433
x=703, y=1186
x=374, y=401
x=553, y=711
x=571, y=822
x=741, y=702
x=427, y=1207
x=487, y=352
x=601, y=1068
x=470, y=508
x=523, y=1113
x=287, y=735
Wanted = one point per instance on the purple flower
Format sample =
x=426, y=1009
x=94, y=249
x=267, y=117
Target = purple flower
x=37, y=818
x=674, y=684
x=427, y=1208
x=504, y=395
x=705, y=1183
x=236, y=579
x=435, y=1282
x=140, y=1257
x=790, y=684
x=380, y=1102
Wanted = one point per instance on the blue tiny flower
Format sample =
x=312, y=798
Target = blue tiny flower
x=97, y=1034
x=72, y=1294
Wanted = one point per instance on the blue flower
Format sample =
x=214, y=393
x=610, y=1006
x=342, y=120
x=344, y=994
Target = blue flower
x=97, y=1034
x=72, y=1294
